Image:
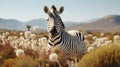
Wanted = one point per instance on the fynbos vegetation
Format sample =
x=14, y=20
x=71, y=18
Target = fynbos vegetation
x=18, y=49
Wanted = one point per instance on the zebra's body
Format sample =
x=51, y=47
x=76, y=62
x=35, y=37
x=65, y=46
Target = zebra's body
x=69, y=42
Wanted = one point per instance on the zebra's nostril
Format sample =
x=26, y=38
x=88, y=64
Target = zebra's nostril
x=47, y=19
x=53, y=31
x=53, y=27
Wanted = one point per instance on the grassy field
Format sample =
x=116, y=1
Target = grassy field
x=30, y=49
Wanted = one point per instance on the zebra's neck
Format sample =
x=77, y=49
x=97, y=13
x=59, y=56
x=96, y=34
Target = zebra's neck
x=53, y=41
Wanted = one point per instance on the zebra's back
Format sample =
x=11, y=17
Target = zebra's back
x=76, y=34
x=75, y=43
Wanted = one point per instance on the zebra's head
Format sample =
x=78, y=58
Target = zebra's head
x=55, y=24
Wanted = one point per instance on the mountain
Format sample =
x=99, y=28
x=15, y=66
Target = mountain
x=110, y=23
x=11, y=24
x=42, y=23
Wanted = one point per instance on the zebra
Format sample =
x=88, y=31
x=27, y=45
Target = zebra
x=70, y=42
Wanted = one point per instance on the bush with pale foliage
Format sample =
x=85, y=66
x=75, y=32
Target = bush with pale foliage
x=8, y=63
x=25, y=62
x=19, y=53
x=53, y=57
x=106, y=56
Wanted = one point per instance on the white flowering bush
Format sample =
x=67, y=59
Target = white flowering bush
x=116, y=39
x=53, y=57
x=36, y=29
x=35, y=45
x=19, y=52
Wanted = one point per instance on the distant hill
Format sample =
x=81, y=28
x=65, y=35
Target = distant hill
x=13, y=24
x=110, y=23
x=42, y=23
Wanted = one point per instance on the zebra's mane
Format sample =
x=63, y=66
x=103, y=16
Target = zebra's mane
x=53, y=7
x=63, y=24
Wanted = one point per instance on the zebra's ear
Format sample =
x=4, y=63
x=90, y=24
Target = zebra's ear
x=46, y=10
x=61, y=10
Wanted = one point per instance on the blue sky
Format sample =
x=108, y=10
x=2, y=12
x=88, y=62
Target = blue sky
x=75, y=10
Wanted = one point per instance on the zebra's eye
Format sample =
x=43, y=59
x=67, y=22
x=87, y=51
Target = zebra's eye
x=48, y=19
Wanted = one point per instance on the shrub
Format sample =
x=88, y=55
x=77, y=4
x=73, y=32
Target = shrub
x=107, y=56
x=8, y=63
x=6, y=52
x=25, y=62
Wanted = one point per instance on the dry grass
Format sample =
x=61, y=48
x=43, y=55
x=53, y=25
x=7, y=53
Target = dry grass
x=107, y=56
x=102, y=57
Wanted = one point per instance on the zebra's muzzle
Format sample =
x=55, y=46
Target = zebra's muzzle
x=53, y=32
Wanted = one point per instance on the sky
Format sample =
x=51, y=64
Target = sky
x=74, y=10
